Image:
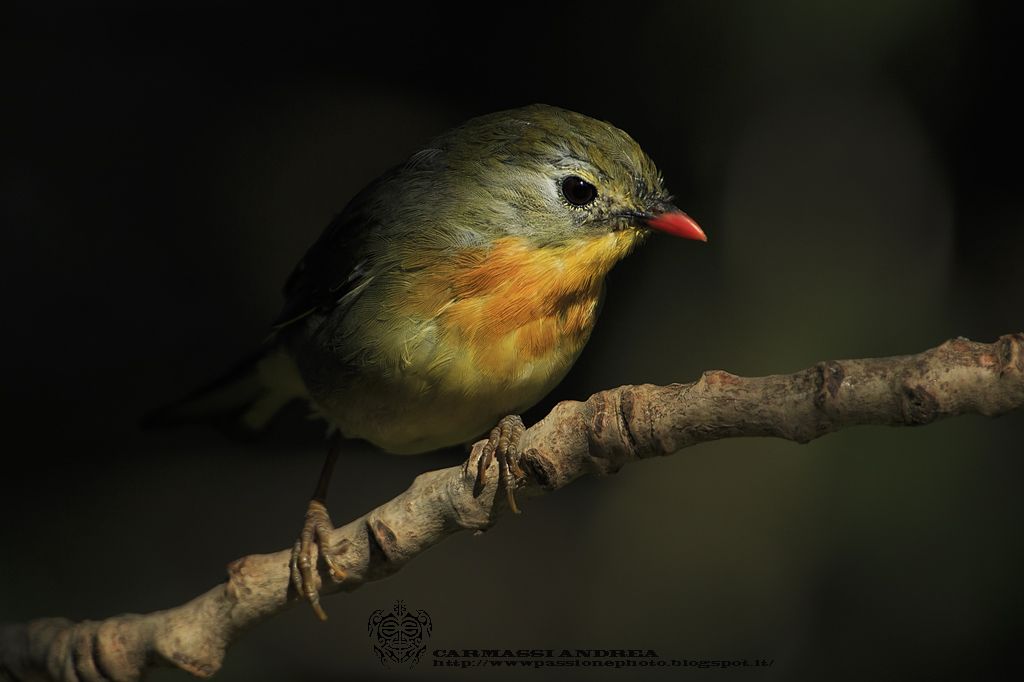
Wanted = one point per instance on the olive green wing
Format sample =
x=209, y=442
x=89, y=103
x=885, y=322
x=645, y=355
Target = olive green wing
x=338, y=267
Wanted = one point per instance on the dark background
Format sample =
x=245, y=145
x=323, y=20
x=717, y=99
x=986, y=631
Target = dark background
x=855, y=165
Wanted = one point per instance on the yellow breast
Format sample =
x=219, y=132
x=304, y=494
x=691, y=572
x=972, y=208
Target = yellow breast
x=488, y=333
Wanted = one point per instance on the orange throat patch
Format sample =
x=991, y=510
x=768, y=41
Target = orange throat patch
x=517, y=303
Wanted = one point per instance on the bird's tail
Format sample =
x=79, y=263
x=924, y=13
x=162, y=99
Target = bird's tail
x=250, y=394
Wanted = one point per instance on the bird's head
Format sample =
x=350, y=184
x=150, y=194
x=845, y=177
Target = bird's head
x=554, y=177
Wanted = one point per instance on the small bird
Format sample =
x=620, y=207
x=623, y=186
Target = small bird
x=450, y=295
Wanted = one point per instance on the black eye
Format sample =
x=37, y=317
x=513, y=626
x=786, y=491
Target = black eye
x=578, y=191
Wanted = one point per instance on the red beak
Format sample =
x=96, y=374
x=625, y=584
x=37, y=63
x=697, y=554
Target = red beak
x=675, y=222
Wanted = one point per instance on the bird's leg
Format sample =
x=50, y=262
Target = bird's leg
x=314, y=541
x=503, y=445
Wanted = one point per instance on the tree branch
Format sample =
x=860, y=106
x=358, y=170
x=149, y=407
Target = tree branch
x=598, y=436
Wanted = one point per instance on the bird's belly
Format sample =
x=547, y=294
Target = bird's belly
x=450, y=388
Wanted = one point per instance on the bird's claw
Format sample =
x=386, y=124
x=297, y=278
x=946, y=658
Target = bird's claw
x=503, y=445
x=315, y=537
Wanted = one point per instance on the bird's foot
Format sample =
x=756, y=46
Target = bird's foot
x=503, y=445
x=313, y=543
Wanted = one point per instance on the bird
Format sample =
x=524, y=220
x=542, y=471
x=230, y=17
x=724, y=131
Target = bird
x=449, y=295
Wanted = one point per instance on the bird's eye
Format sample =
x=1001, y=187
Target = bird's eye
x=578, y=191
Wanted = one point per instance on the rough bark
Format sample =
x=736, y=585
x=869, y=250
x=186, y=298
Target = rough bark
x=598, y=436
